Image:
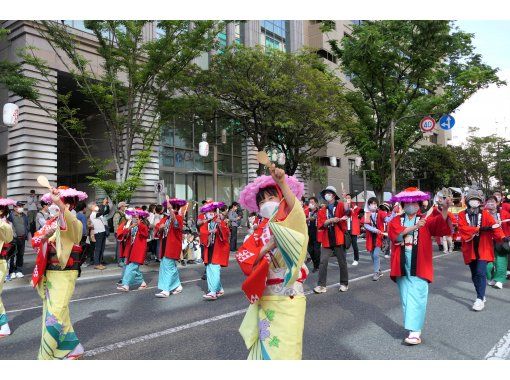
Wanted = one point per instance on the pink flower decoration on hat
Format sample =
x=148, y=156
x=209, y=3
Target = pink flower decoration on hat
x=410, y=195
x=137, y=213
x=248, y=197
x=175, y=202
x=7, y=202
x=65, y=193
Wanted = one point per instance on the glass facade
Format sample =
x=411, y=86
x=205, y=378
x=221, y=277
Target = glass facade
x=188, y=175
x=273, y=34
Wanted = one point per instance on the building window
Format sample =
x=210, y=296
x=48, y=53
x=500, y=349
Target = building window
x=274, y=28
x=357, y=22
x=77, y=24
x=325, y=161
x=433, y=138
x=326, y=55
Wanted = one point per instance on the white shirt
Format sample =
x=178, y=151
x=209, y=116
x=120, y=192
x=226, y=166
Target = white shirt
x=32, y=203
x=97, y=223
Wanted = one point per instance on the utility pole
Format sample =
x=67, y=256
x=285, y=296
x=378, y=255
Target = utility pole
x=393, y=160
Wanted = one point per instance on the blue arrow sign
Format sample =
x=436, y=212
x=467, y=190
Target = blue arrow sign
x=446, y=122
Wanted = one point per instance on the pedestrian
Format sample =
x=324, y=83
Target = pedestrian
x=331, y=224
x=99, y=225
x=447, y=240
x=7, y=248
x=314, y=247
x=57, y=268
x=216, y=236
x=235, y=222
x=411, y=257
x=203, y=233
x=118, y=217
x=496, y=271
x=151, y=241
x=135, y=234
x=169, y=232
x=354, y=226
x=42, y=216
x=32, y=208
x=21, y=227
x=273, y=259
x=479, y=231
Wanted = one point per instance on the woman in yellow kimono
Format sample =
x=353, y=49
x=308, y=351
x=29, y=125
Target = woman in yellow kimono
x=273, y=259
x=6, y=236
x=58, y=261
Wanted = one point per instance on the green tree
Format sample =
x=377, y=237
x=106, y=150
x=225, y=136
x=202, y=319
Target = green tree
x=277, y=100
x=11, y=76
x=134, y=74
x=402, y=71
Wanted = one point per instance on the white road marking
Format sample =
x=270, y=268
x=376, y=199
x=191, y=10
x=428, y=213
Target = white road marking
x=202, y=322
x=501, y=350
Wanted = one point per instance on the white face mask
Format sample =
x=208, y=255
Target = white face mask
x=209, y=215
x=474, y=203
x=372, y=208
x=267, y=209
x=312, y=206
x=53, y=210
x=328, y=197
x=20, y=210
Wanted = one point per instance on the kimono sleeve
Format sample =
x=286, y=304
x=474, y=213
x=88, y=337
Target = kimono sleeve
x=497, y=233
x=143, y=231
x=395, y=229
x=437, y=225
x=466, y=231
x=321, y=218
x=66, y=236
x=6, y=232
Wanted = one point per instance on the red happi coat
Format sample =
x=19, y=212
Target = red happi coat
x=421, y=262
x=134, y=251
x=221, y=247
x=170, y=245
x=340, y=227
x=504, y=212
x=485, y=245
x=374, y=240
x=355, y=222
x=202, y=230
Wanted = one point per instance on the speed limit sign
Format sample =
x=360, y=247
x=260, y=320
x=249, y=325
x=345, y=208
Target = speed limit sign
x=427, y=124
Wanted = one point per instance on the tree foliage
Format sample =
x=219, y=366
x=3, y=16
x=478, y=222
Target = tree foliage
x=134, y=73
x=402, y=71
x=277, y=100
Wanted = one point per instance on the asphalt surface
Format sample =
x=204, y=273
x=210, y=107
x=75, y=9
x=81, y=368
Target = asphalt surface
x=363, y=323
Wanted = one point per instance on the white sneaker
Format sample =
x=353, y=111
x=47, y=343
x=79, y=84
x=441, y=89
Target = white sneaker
x=498, y=285
x=491, y=283
x=386, y=256
x=354, y=263
x=5, y=331
x=478, y=305
x=320, y=289
x=163, y=294
x=20, y=275
x=177, y=290
x=343, y=288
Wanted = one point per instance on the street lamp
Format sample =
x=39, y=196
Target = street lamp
x=10, y=114
x=358, y=161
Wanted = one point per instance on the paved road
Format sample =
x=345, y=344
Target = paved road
x=364, y=323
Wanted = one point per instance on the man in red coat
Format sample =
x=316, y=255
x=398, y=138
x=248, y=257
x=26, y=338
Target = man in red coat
x=478, y=231
x=411, y=257
x=136, y=248
x=216, y=248
x=169, y=233
x=354, y=226
x=331, y=226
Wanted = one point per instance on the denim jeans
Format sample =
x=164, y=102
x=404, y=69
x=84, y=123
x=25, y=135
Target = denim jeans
x=479, y=276
x=375, y=259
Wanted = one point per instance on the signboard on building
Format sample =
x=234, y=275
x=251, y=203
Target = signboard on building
x=159, y=187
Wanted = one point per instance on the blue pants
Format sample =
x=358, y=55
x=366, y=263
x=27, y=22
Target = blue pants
x=168, y=275
x=132, y=275
x=375, y=259
x=479, y=276
x=214, y=278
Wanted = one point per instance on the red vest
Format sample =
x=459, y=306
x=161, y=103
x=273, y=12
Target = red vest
x=355, y=222
x=340, y=227
x=171, y=245
x=421, y=264
x=485, y=245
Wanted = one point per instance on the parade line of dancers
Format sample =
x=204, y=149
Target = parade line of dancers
x=273, y=256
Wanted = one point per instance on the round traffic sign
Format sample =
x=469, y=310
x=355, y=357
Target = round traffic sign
x=427, y=124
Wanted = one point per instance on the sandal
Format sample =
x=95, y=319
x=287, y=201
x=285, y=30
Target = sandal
x=412, y=341
x=143, y=286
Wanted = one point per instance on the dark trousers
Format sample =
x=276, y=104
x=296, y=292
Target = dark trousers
x=233, y=238
x=16, y=262
x=99, y=248
x=479, y=276
x=355, y=249
x=326, y=253
x=314, y=249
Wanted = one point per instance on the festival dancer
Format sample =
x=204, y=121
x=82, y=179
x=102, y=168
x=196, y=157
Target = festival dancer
x=57, y=267
x=411, y=257
x=169, y=231
x=478, y=230
x=122, y=239
x=496, y=271
x=354, y=227
x=216, y=236
x=374, y=225
x=273, y=259
x=331, y=224
x=136, y=235
x=7, y=249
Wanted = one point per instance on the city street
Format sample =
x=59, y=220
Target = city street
x=363, y=323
